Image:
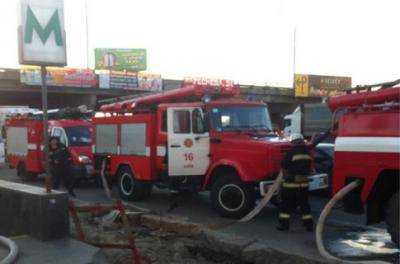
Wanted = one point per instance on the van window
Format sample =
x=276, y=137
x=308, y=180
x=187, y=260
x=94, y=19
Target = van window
x=182, y=121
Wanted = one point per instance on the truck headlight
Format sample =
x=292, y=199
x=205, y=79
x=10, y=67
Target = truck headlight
x=84, y=159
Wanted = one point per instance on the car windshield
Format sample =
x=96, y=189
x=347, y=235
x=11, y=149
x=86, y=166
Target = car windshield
x=239, y=118
x=78, y=136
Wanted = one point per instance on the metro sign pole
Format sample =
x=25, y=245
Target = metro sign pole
x=48, y=181
x=42, y=42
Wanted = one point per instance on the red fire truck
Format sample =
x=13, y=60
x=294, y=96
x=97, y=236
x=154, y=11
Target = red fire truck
x=367, y=148
x=24, y=148
x=197, y=138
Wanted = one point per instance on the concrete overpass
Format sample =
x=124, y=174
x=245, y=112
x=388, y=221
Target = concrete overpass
x=280, y=100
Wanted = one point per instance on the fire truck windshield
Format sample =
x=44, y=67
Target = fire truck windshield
x=78, y=136
x=240, y=118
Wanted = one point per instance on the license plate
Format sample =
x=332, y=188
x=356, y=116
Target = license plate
x=89, y=169
x=318, y=182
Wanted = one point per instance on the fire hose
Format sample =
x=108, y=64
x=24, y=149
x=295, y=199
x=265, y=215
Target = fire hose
x=12, y=256
x=274, y=188
x=321, y=221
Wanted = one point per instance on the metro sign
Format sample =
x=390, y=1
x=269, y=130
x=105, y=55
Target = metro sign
x=41, y=33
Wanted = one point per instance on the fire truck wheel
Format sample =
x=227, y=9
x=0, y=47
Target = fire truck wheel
x=131, y=189
x=392, y=218
x=24, y=174
x=231, y=197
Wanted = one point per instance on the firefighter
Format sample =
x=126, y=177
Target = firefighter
x=60, y=165
x=296, y=167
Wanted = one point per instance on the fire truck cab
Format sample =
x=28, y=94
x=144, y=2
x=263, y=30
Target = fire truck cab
x=24, y=147
x=367, y=149
x=194, y=138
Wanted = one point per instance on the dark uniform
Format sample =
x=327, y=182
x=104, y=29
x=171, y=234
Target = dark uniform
x=297, y=164
x=60, y=167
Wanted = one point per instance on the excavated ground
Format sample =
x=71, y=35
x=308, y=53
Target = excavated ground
x=156, y=244
x=162, y=241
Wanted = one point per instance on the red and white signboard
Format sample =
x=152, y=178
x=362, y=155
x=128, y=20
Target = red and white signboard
x=208, y=81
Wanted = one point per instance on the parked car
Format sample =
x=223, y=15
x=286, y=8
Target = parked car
x=323, y=161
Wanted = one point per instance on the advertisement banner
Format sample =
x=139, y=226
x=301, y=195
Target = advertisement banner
x=120, y=59
x=117, y=80
x=123, y=80
x=59, y=77
x=320, y=85
x=150, y=82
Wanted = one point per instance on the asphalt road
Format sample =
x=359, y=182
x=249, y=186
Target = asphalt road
x=345, y=235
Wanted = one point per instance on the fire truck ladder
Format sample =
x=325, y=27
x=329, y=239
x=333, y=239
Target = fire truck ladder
x=188, y=93
x=369, y=87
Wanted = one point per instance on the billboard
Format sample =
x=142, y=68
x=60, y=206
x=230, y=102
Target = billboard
x=30, y=75
x=320, y=85
x=120, y=59
x=41, y=33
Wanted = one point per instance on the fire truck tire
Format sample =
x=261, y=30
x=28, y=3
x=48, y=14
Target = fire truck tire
x=231, y=197
x=130, y=188
x=24, y=174
x=392, y=218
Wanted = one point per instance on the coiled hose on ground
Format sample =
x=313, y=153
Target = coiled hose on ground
x=12, y=256
x=321, y=221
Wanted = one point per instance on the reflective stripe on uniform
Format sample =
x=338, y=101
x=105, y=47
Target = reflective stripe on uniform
x=294, y=185
x=283, y=215
x=301, y=178
x=301, y=157
x=290, y=185
x=307, y=216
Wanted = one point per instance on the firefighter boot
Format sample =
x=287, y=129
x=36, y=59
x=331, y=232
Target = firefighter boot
x=283, y=222
x=308, y=223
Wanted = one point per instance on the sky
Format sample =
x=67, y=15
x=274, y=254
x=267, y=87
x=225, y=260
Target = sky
x=248, y=41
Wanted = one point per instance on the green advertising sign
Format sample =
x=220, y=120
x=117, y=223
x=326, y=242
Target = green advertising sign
x=121, y=59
